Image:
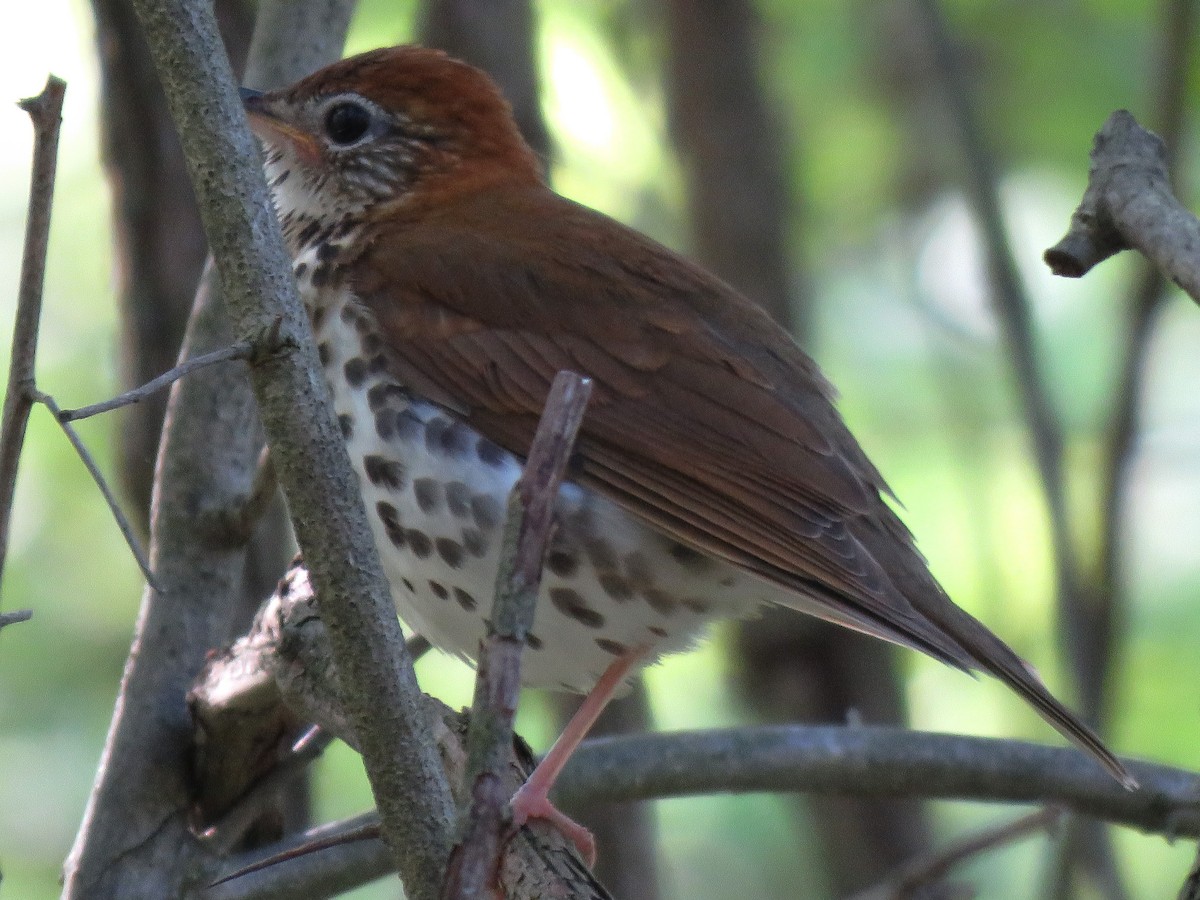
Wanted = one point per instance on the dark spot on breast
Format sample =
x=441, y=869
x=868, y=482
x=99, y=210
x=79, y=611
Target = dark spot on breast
x=639, y=570
x=318, y=316
x=346, y=423
x=533, y=641
x=458, y=499
x=419, y=542
x=347, y=313
x=390, y=517
x=450, y=551
x=616, y=648
x=572, y=605
x=355, y=371
x=408, y=426
x=439, y=590
x=372, y=343
x=323, y=353
x=474, y=542
x=486, y=511
x=697, y=605
x=428, y=492
x=465, y=600
x=660, y=601
x=327, y=251
x=456, y=439
x=281, y=178
x=657, y=632
x=385, y=424
x=408, y=584
x=377, y=364
x=382, y=393
x=298, y=270
x=688, y=557
x=601, y=553
x=433, y=433
x=615, y=586
x=562, y=563
x=490, y=453
x=320, y=276
x=388, y=473
x=308, y=232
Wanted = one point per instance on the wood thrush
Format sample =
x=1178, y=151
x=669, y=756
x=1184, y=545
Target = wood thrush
x=447, y=284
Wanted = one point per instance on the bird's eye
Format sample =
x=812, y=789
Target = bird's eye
x=345, y=123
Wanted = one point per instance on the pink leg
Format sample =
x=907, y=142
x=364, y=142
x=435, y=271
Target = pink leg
x=532, y=801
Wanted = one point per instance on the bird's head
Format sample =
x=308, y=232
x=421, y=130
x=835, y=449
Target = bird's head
x=387, y=127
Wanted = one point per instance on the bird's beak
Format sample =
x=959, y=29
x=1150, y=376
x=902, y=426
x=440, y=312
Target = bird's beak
x=271, y=129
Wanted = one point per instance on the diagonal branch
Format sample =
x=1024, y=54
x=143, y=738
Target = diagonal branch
x=379, y=689
x=1010, y=302
x=476, y=859
x=114, y=506
x=927, y=869
x=240, y=350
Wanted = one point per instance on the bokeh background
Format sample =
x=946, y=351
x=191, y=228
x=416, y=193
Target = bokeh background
x=886, y=276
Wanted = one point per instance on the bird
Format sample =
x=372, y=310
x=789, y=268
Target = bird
x=447, y=284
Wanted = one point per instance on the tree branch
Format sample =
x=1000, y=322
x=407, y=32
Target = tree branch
x=45, y=110
x=286, y=659
x=379, y=690
x=240, y=350
x=930, y=868
x=527, y=529
x=136, y=839
x=1129, y=204
x=879, y=762
x=17, y=615
x=1010, y=303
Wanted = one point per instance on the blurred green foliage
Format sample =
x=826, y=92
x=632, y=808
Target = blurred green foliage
x=902, y=327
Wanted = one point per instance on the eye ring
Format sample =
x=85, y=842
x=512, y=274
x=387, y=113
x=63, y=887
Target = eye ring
x=347, y=122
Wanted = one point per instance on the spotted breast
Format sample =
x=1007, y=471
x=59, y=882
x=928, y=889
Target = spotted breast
x=435, y=492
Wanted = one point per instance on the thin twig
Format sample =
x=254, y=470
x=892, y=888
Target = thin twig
x=927, y=869
x=527, y=529
x=46, y=112
x=368, y=831
x=110, y=498
x=17, y=615
x=337, y=857
x=240, y=350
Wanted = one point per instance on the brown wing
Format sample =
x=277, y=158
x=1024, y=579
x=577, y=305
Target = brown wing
x=705, y=419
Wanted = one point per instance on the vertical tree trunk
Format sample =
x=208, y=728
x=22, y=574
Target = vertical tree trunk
x=160, y=246
x=790, y=667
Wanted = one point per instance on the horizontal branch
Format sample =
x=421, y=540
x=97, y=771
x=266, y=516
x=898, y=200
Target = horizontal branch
x=876, y=761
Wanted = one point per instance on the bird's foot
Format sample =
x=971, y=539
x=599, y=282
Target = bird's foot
x=532, y=803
